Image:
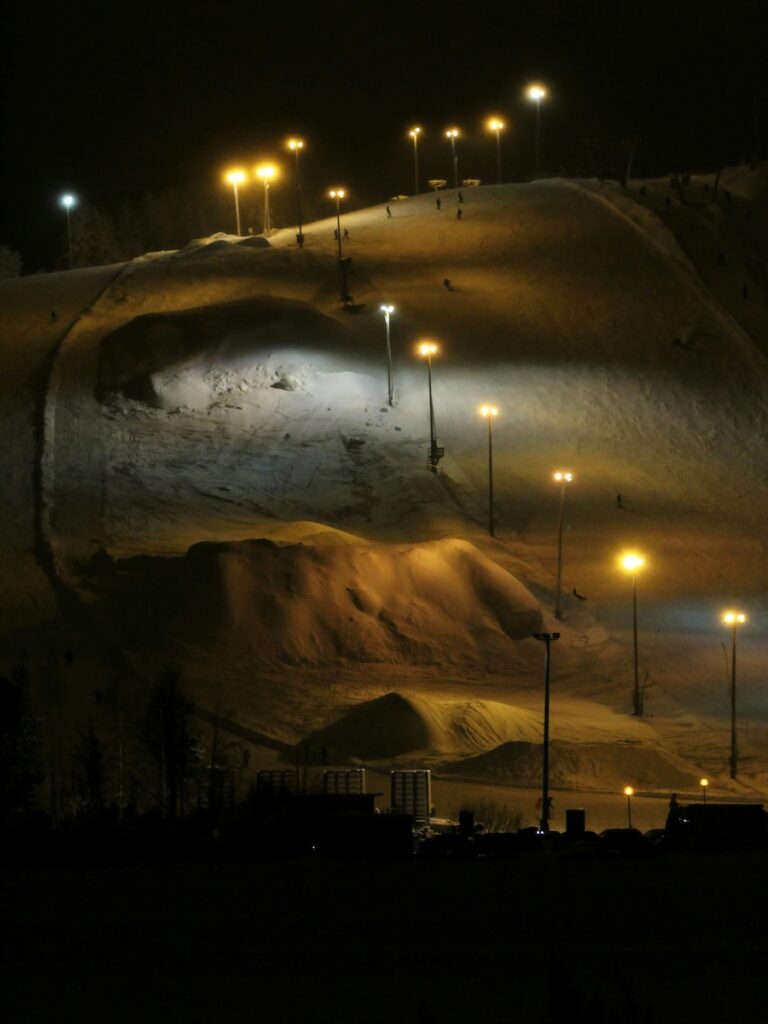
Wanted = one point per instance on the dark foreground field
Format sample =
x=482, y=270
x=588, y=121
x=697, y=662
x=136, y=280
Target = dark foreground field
x=538, y=938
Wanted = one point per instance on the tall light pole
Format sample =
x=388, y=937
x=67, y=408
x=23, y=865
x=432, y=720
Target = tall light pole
x=427, y=349
x=537, y=93
x=68, y=201
x=490, y=412
x=547, y=639
x=414, y=133
x=629, y=793
x=452, y=134
x=563, y=478
x=734, y=619
x=632, y=562
x=496, y=125
x=235, y=178
x=388, y=311
x=267, y=173
x=338, y=194
x=296, y=146
x=704, y=783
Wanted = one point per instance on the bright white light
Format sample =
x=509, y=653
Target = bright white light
x=387, y=309
x=426, y=349
x=452, y=133
x=337, y=193
x=488, y=410
x=68, y=201
x=415, y=132
x=295, y=144
x=563, y=477
x=536, y=93
x=628, y=791
x=495, y=124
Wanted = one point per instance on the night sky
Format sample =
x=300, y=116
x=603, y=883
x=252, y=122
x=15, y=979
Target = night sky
x=114, y=100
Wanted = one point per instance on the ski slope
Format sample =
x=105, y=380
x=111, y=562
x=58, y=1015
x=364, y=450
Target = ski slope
x=222, y=394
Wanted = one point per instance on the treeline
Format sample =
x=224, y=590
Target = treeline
x=170, y=219
x=131, y=753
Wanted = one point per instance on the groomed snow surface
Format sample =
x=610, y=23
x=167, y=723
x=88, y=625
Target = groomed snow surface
x=205, y=470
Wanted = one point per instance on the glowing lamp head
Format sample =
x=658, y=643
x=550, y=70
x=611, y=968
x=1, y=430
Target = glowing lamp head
x=629, y=791
x=386, y=310
x=295, y=144
x=337, y=193
x=427, y=349
x=235, y=177
x=68, y=201
x=536, y=93
x=632, y=561
x=267, y=172
x=563, y=477
x=703, y=783
x=415, y=132
x=489, y=410
x=452, y=133
x=495, y=124
x=733, y=618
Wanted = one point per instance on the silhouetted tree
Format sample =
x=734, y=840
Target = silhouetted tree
x=89, y=764
x=21, y=769
x=10, y=262
x=171, y=742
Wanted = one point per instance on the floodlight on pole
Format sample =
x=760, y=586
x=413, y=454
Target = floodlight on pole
x=704, y=783
x=388, y=311
x=338, y=194
x=734, y=619
x=629, y=793
x=562, y=477
x=632, y=562
x=267, y=173
x=414, y=133
x=68, y=201
x=426, y=350
x=452, y=134
x=296, y=146
x=536, y=93
x=546, y=639
x=497, y=126
x=490, y=412
x=235, y=178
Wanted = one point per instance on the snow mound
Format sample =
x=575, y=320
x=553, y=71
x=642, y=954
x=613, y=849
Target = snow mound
x=398, y=724
x=438, y=602
x=219, y=242
x=590, y=766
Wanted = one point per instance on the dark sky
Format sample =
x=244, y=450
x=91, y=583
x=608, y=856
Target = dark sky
x=112, y=99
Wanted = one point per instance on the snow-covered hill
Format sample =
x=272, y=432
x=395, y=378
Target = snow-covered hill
x=222, y=393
